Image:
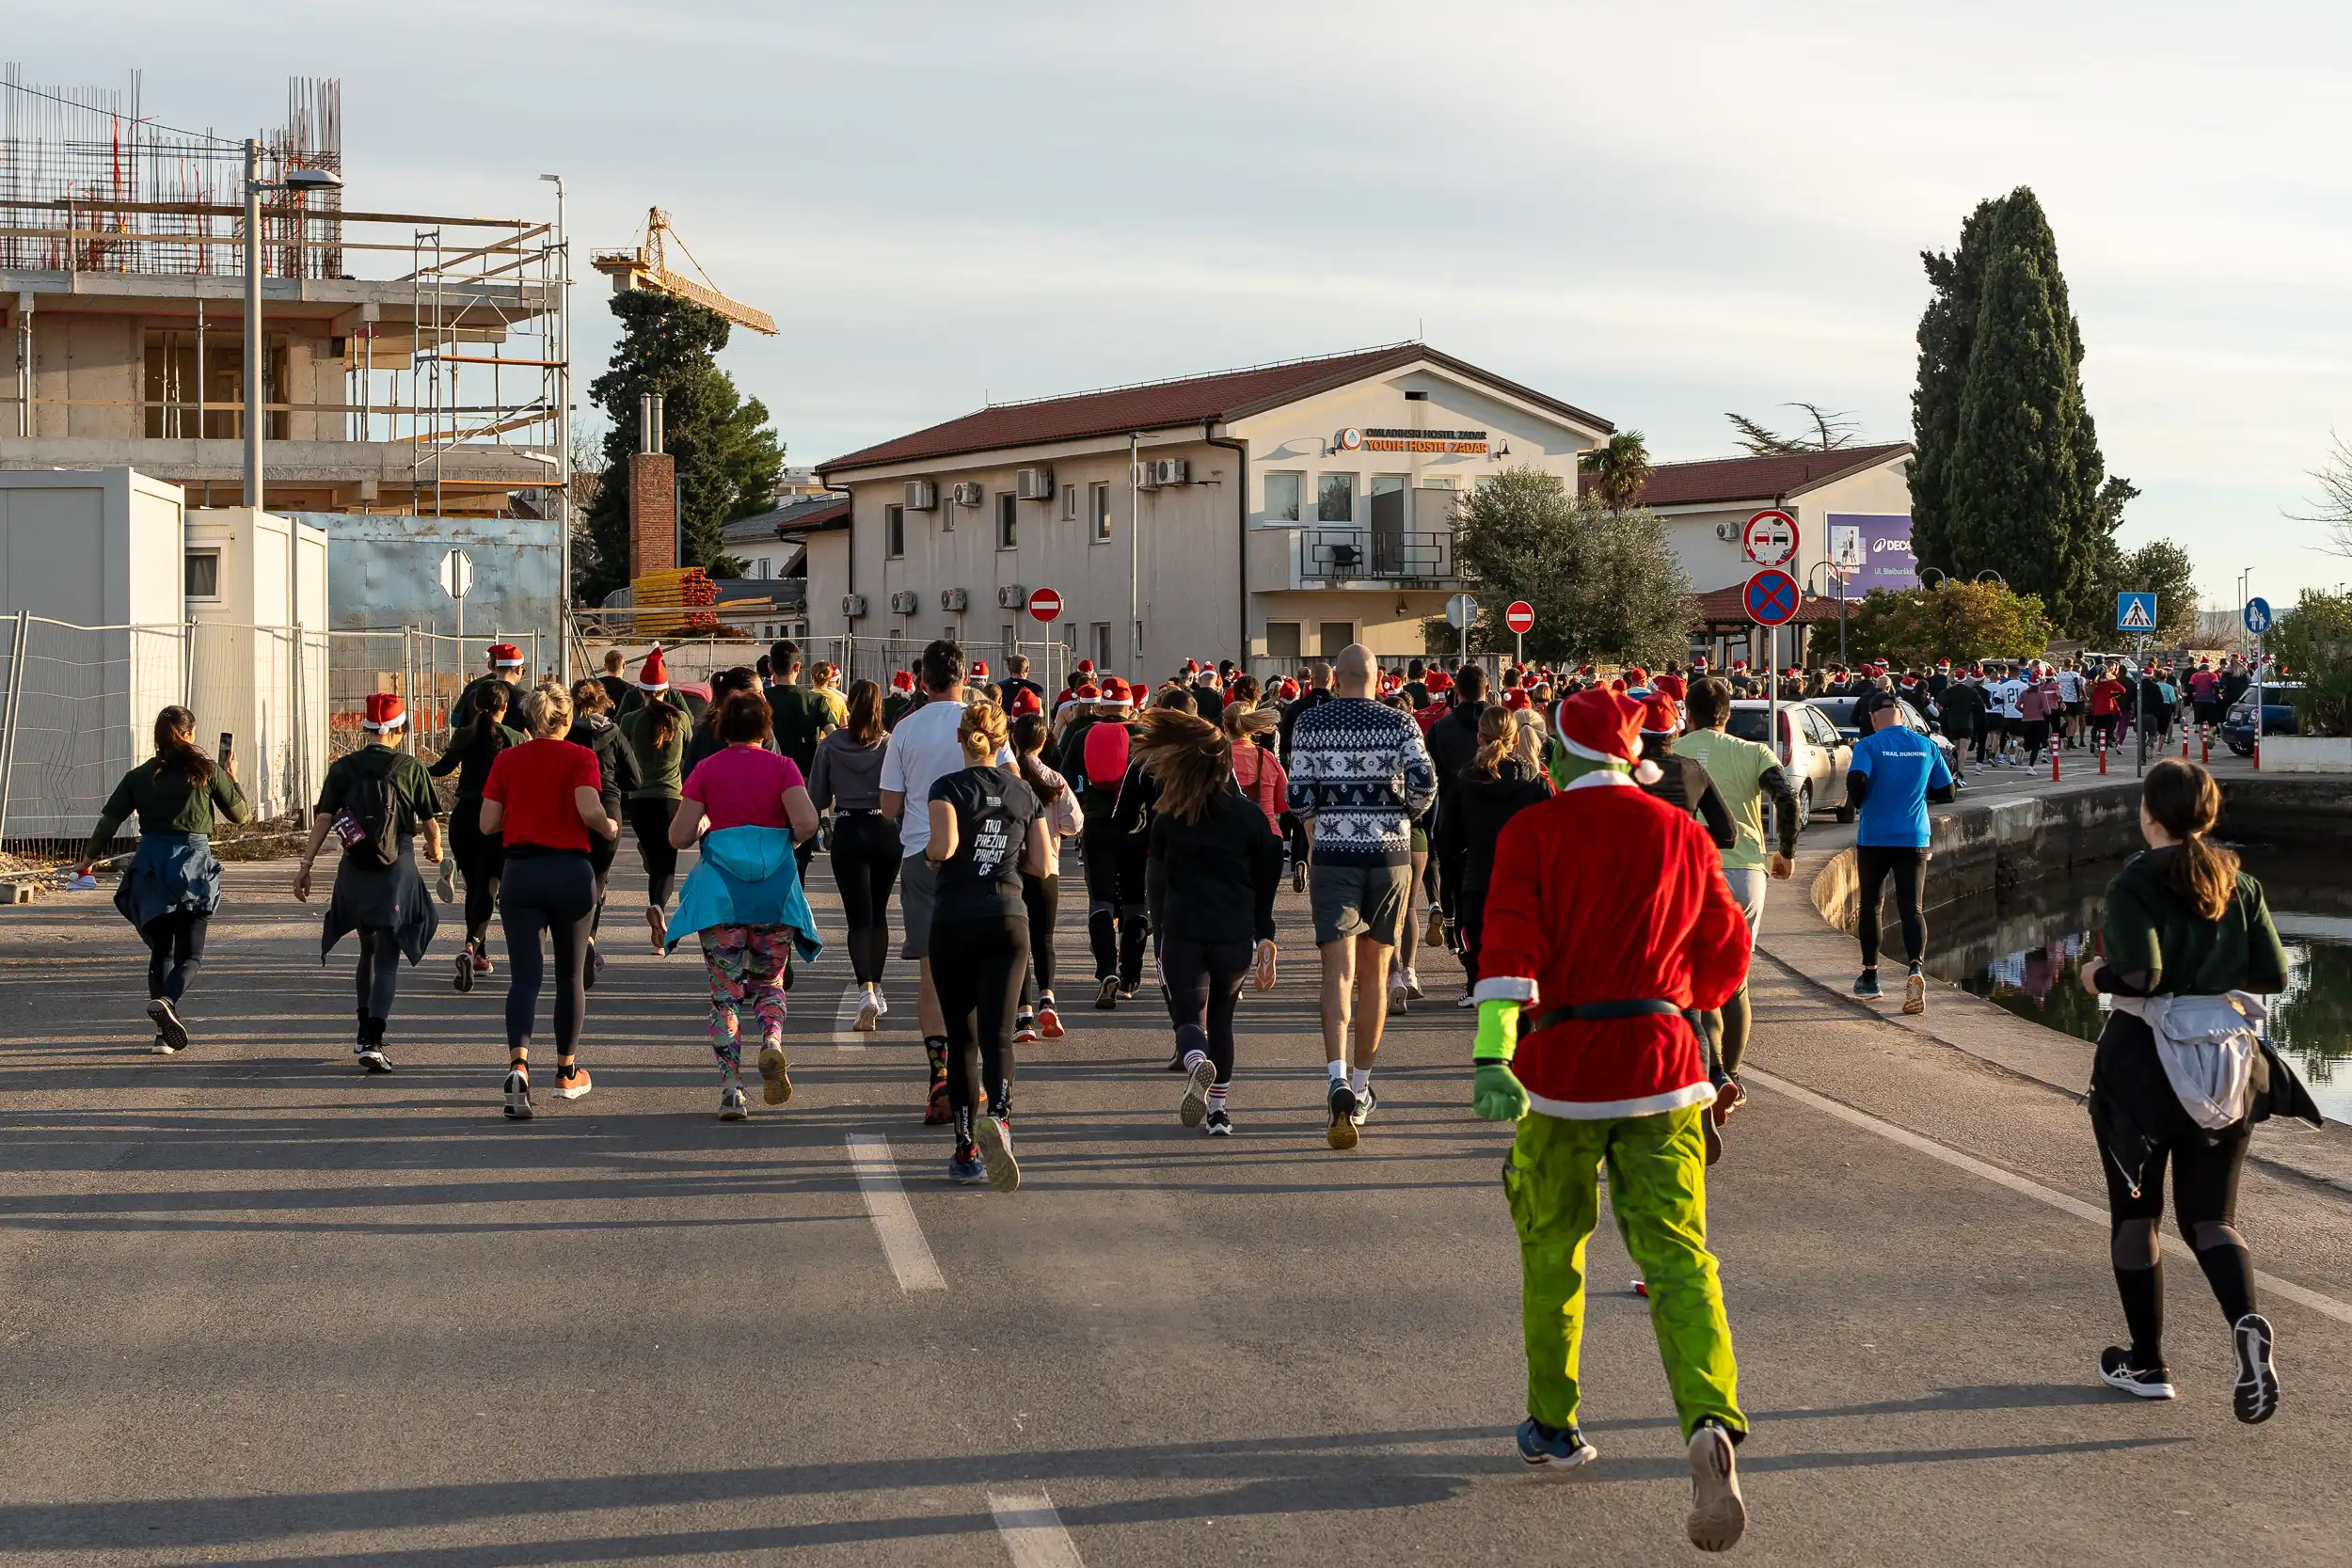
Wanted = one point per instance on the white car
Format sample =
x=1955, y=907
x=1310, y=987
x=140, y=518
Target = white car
x=1812, y=753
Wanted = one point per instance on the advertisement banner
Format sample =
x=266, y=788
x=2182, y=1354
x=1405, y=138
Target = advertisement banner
x=1876, y=547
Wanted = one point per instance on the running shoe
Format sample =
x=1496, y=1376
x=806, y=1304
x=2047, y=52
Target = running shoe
x=1711, y=1135
x=1397, y=993
x=1865, y=985
x=1412, y=985
x=573, y=1082
x=1468, y=998
x=595, y=968
x=1367, y=1101
x=1342, y=1100
x=1719, y=1515
x=1024, y=1029
x=1546, y=1445
x=482, y=964
x=1298, y=876
x=732, y=1107
x=519, y=1093
x=463, y=978
x=881, y=1003
x=659, y=927
x=160, y=1047
x=869, y=1014
x=996, y=1136
x=170, y=1032
x=1217, y=1123
x=1107, y=997
x=1435, y=934
x=373, y=1059
x=1127, y=990
x=938, y=1112
x=1196, y=1101
x=1176, y=1060
x=2256, y=1397
x=1049, y=1022
x=776, y=1077
x=1729, y=1097
x=1915, y=993
x=2148, y=1383
x=964, y=1167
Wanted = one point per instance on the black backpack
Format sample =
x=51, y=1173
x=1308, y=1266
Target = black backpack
x=369, y=824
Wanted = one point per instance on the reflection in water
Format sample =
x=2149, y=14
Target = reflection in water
x=2022, y=952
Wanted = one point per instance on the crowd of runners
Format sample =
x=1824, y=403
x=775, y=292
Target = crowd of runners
x=1592, y=847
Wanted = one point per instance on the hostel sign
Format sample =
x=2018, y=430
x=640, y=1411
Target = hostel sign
x=1439, y=443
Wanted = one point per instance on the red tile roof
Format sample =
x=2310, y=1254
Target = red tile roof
x=1157, y=405
x=1754, y=479
x=1726, y=606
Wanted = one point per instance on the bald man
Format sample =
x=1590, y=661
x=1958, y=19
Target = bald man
x=1360, y=774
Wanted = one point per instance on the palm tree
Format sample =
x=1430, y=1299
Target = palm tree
x=1619, y=470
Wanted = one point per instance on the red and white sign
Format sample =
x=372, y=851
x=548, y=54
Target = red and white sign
x=1770, y=538
x=1520, y=617
x=1044, y=603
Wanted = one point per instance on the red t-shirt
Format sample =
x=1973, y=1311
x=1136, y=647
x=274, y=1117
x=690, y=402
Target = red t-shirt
x=2103, y=696
x=2202, y=684
x=534, y=782
x=743, y=786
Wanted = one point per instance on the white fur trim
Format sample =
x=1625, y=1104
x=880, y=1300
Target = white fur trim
x=1648, y=772
x=1505, y=987
x=1587, y=752
x=399, y=724
x=644, y=687
x=1599, y=778
x=1700, y=1093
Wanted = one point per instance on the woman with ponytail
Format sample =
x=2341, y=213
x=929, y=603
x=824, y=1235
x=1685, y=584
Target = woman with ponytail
x=173, y=884
x=481, y=857
x=2180, y=1078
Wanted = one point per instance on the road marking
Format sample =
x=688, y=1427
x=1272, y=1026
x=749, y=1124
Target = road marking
x=1033, y=1530
x=2327, y=1306
x=886, y=1204
x=845, y=1015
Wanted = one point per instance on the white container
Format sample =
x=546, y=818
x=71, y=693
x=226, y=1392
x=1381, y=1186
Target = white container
x=240, y=676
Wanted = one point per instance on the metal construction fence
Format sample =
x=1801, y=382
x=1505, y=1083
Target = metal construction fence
x=874, y=658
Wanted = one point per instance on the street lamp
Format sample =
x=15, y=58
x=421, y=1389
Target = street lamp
x=1997, y=576
x=1838, y=571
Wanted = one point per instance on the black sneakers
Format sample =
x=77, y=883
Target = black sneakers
x=1107, y=997
x=2148, y=1383
x=2256, y=1397
x=1343, y=1106
x=171, y=1034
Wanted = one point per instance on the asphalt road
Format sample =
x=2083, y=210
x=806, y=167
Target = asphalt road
x=261, y=1308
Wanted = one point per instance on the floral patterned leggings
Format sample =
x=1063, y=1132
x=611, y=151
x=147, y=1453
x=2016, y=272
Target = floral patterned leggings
x=746, y=967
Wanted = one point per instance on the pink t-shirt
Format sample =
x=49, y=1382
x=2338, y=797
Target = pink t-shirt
x=743, y=785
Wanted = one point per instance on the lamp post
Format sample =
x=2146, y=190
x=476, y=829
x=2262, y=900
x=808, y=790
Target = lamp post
x=563, y=435
x=1989, y=571
x=1837, y=574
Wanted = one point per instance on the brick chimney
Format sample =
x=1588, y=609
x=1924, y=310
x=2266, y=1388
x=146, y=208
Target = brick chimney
x=652, y=495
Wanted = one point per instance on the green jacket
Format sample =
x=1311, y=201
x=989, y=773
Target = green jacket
x=167, y=803
x=2157, y=944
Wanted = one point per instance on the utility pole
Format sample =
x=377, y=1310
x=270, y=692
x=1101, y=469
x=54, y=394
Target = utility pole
x=253, y=346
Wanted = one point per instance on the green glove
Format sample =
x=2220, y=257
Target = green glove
x=1495, y=1093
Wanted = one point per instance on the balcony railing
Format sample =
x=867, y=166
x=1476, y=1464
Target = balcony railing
x=1375, y=555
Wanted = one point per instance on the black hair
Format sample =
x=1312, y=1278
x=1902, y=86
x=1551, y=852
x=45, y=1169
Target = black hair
x=943, y=664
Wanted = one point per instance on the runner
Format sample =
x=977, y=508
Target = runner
x=1041, y=892
x=545, y=799
x=1403, y=980
x=1895, y=772
x=478, y=855
x=985, y=829
x=2108, y=696
x=866, y=851
x=1505, y=777
x=614, y=678
x=2187, y=937
x=506, y=668
x=802, y=715
x=1095, y=751
x=705, y=742
x=1609, y=914
x=1453, y=741
x=171, y=888
x=749, y=809
x=1358, y=777
x=657, y=731
x=375, y=800
x=1961, y=707
x=617, y=779
x=1017, y=680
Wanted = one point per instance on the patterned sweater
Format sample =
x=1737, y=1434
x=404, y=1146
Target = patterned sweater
x=1361, y=772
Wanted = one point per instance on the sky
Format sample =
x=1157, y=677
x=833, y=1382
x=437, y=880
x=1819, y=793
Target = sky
x=1658, y=212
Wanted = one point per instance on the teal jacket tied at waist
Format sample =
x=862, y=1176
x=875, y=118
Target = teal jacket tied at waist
x=746, y=877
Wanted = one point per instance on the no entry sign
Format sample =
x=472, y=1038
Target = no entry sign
x=1519, y=617
x=1770, y=598
x=1770, y=538
x=1044, y=603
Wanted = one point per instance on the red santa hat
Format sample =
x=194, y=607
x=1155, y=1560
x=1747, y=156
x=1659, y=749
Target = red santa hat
x=902, y=680
x=383, y=713
x=1636, y=676
x=505, y=655
x=1698, y=666
x=654, y=673
x=1085, y=667
x=1439, y=681
x=1024, y=703
x=1606, y=727
x=979, y=669
x=1516, y=700
x=1289, y=688
x=1739, y=666
x=1115, y=693
x=1671, y=685
x=1660, y=715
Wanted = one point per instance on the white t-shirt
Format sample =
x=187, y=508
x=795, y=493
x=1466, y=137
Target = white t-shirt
x=2069, y=686
x=922, y=750
x=2006, y=694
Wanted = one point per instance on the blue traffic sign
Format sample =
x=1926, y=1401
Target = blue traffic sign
x=2135, y=612
x=1770, y=598
x=2258, y=616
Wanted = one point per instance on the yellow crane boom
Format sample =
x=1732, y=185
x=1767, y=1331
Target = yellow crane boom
x=647, y=266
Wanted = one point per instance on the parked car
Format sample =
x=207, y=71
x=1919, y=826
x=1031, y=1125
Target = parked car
x=1812, y=753
x=1839, y=711
x=2278, y=717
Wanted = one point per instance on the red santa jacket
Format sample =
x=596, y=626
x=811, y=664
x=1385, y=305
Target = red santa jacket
x=1603, y=893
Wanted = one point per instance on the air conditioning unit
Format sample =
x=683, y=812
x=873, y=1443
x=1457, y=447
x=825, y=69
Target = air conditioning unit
x=1034, y=484
x=1013, y=596
x=955, y=601
x=1173, y=470
x=922, y=496
x=1147, y=476
x=852, y=607
x=905, y=602
x=1727, y=531
x=969, y=493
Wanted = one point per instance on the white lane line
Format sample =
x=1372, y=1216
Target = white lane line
x=846, y=1014
x=1033, y=1530
x=2327, y=1306
x=886, y=1204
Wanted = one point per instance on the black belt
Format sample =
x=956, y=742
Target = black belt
x=1596, y=1012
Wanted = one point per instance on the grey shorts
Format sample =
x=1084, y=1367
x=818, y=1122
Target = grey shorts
x=1359, y=901
x=918, y=890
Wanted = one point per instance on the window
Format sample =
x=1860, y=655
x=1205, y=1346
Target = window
x=1007, y=521
x=203, y=574
x=1335, y=499
x=1337, y=635
x=761, y=567
x=894, y=530
x=1100, y=509
x=1101, y=633
x=1281, y=498
x=1007, y=638
x=1070, y=503
x=947, y=514
x=1281, y=640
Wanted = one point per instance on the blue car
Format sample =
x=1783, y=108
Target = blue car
x=2237, y=725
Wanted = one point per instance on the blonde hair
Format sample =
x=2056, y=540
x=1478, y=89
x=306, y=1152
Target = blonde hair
x=1528, y=746
x=1242, y=719
x=1498, y=739
x=548, y=710
x=981, y=731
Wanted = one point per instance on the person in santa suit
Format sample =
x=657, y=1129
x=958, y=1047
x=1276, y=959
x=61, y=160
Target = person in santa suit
x=1609, y=930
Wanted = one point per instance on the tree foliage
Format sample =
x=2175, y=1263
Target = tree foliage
x=2313, y=642
x=2162, y=568
x=1963, y=622
x=1619, y=470
x=728, y=457
x=1604, y=584
x=2008, y=473
x=1830, y=432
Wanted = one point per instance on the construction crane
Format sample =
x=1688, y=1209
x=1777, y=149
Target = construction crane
x=646, y=267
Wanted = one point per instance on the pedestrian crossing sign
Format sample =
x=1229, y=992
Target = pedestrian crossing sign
x=2135, y=613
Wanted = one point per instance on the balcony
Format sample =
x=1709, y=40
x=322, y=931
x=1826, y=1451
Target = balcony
x=1384, y=557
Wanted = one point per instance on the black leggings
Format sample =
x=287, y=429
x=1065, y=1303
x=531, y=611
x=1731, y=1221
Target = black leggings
x=1471, y=904
x=650, y=816
x=2204, y=1204
x=175, y=949
x=555, y=894
x=977, y=967
x=482, y=858
x=379, y=977
x=866, y=859
x=1042, y=897
x=602, y=852
x=1204, y=981
x=1908, y=869
x=1116, y=926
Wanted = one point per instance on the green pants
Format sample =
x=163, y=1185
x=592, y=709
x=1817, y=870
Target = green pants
x=1658, y=1188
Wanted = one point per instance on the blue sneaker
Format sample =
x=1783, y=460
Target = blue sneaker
x=966, y=1169
x=1561, y=1446
x=1866, y=985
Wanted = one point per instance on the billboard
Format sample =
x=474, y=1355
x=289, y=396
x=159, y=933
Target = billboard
x=1877, y=547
